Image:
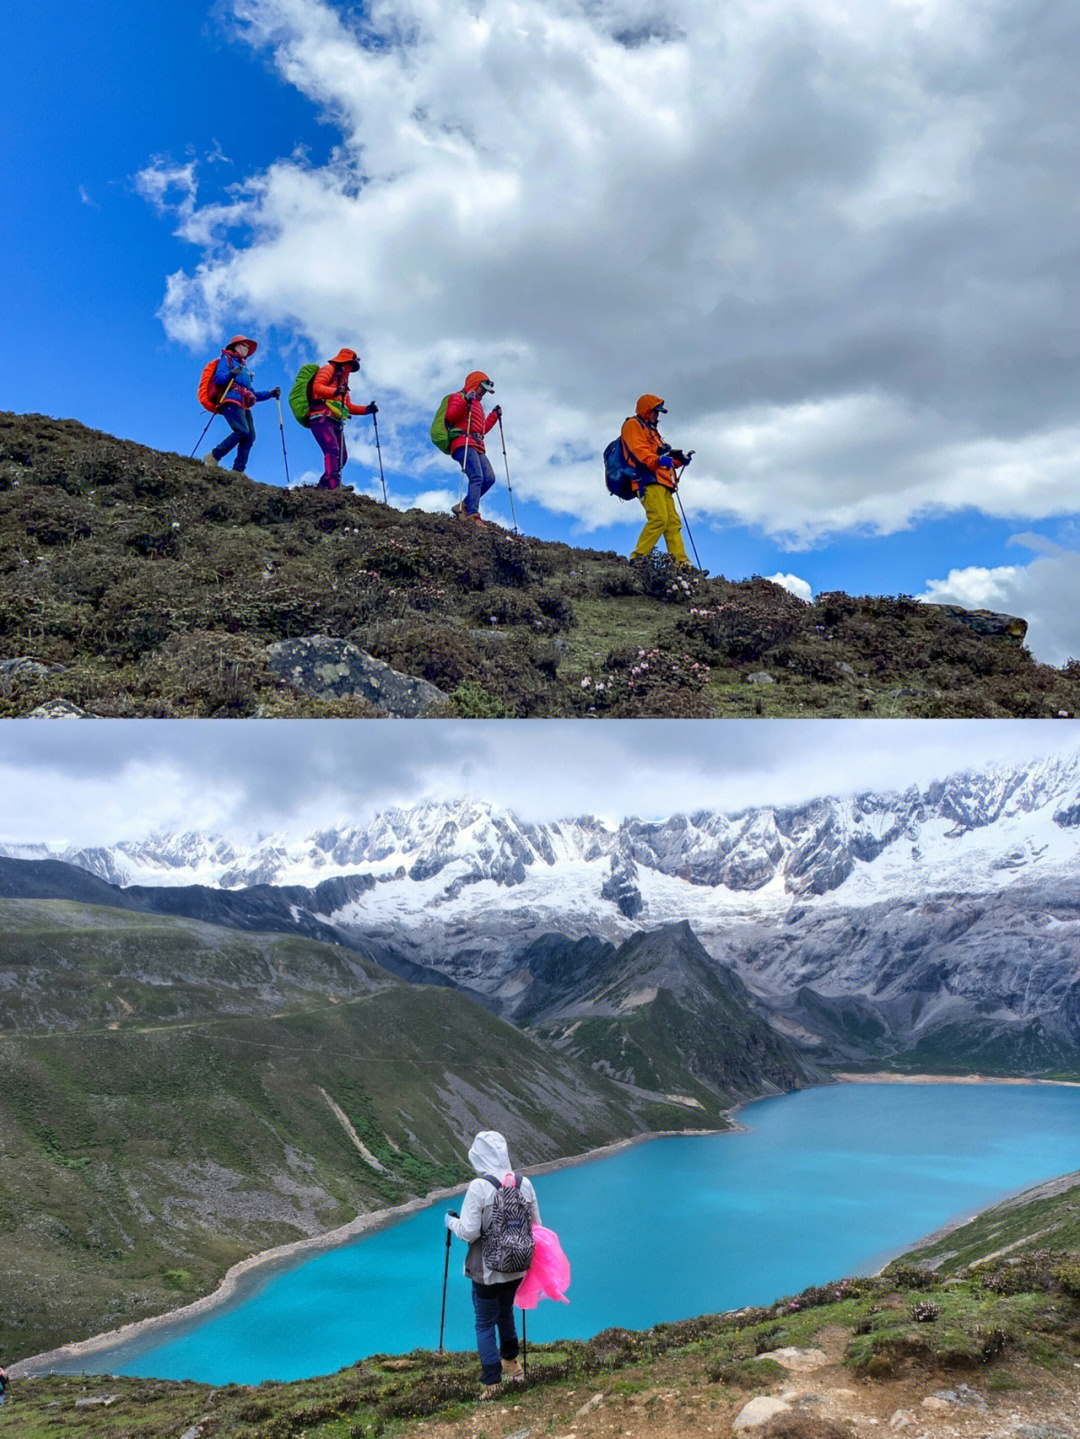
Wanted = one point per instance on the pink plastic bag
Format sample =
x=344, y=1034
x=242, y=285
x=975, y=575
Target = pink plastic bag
x=548, y=1274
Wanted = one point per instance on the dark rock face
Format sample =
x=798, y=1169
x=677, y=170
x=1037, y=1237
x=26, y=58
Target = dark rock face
x=987, y=623
x=328, y=668
x=621, y=886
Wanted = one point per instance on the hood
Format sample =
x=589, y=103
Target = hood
x=347, y=357
x=488, y=1154
x=475, y=378
x=646, y=403
x=252, y=345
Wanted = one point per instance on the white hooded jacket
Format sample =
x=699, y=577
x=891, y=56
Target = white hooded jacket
x=488, y=1155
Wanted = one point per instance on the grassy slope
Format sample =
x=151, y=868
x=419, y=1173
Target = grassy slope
x=157, y=587
x=183, y=1128
x=999, y=1330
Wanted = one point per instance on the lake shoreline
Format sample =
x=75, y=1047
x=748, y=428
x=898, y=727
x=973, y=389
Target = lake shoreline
x=246, y=1272
x=269, y=1261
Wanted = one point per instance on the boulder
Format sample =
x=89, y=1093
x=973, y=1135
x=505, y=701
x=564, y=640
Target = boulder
x=758, y=1412
x=58, y=709
x=328, y=668
x=987, y=623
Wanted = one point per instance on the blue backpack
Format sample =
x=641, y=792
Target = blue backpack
x=620, y=474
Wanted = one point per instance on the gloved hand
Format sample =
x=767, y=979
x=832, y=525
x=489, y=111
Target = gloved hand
x=497, y=412
x=665, y=462
x=373, y=408
x=449, y=1217
x=680, y=457
x=276, y=392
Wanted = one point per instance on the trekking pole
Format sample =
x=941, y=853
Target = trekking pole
x=510, y=491
x=689, y=534
x=524, y=1349
x=378, y=447
x=445, y=1273
x=284, y=453
x=210, y=421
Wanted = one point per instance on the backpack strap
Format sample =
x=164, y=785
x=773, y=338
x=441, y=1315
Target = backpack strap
x=491, y=1180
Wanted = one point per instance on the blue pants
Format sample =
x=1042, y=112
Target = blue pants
x=243, y=436
x=494, y=1306
x=479, y=474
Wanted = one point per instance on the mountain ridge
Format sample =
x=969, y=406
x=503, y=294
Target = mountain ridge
x=154, y=587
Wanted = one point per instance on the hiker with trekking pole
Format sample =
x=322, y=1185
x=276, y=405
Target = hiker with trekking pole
x=227, y=388
x=497, y=1219
x=329, y=406
x=458, y=430
x=656, y=471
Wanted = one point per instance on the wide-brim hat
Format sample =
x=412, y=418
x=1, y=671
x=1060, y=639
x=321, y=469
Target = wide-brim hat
x=252, y=345
x=347, y=357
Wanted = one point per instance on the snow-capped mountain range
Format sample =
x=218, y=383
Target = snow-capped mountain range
x=447, y=866
x=942, y=923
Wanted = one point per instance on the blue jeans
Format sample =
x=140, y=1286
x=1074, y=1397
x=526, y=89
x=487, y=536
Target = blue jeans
x=243, y=436
x=494, y=1306
x=479, y=474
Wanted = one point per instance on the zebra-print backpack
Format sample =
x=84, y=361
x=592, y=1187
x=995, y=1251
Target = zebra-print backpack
x=507, y=1243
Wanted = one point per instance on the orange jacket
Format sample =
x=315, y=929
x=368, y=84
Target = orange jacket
x=644, y=445
x=332, y=383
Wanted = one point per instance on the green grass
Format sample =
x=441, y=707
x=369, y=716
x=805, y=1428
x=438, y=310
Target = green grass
x=977, y=1332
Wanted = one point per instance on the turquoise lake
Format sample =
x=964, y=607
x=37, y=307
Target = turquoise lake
x=825, y=1183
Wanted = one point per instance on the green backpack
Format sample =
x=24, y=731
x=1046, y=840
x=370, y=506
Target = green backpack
x=300, y=394
x=441, y=434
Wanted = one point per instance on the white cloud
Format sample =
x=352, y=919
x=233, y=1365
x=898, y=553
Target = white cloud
x=1045, y=592
x=104, y=780
x=794, y=585
x=837, y=238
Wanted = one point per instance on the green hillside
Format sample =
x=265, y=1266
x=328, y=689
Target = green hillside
x=230, y=1092
x=139, y=583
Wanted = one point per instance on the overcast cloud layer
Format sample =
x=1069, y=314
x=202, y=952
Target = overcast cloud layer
x=841, y=239
x=103, y=781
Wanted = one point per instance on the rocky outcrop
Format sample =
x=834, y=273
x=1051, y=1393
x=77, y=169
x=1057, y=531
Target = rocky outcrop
x=330, y=668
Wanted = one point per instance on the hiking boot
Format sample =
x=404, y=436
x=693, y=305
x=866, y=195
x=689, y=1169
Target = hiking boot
x=512, y=1371
x=210, y=460
x=458, y=510
x=475, y=518
x=490, y=1391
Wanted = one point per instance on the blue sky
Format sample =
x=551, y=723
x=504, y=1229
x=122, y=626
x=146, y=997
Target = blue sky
x=840, y=240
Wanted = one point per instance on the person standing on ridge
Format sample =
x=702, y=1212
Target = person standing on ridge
x=496, y=1222
x=330, y=406
x=656, y=464
x=467, y=425
x=235, y=385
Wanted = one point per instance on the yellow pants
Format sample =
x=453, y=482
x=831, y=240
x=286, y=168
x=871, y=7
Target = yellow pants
x=662, y=519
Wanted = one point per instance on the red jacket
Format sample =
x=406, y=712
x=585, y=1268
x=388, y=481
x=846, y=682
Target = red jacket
x=332, y=383
x=466, y=417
